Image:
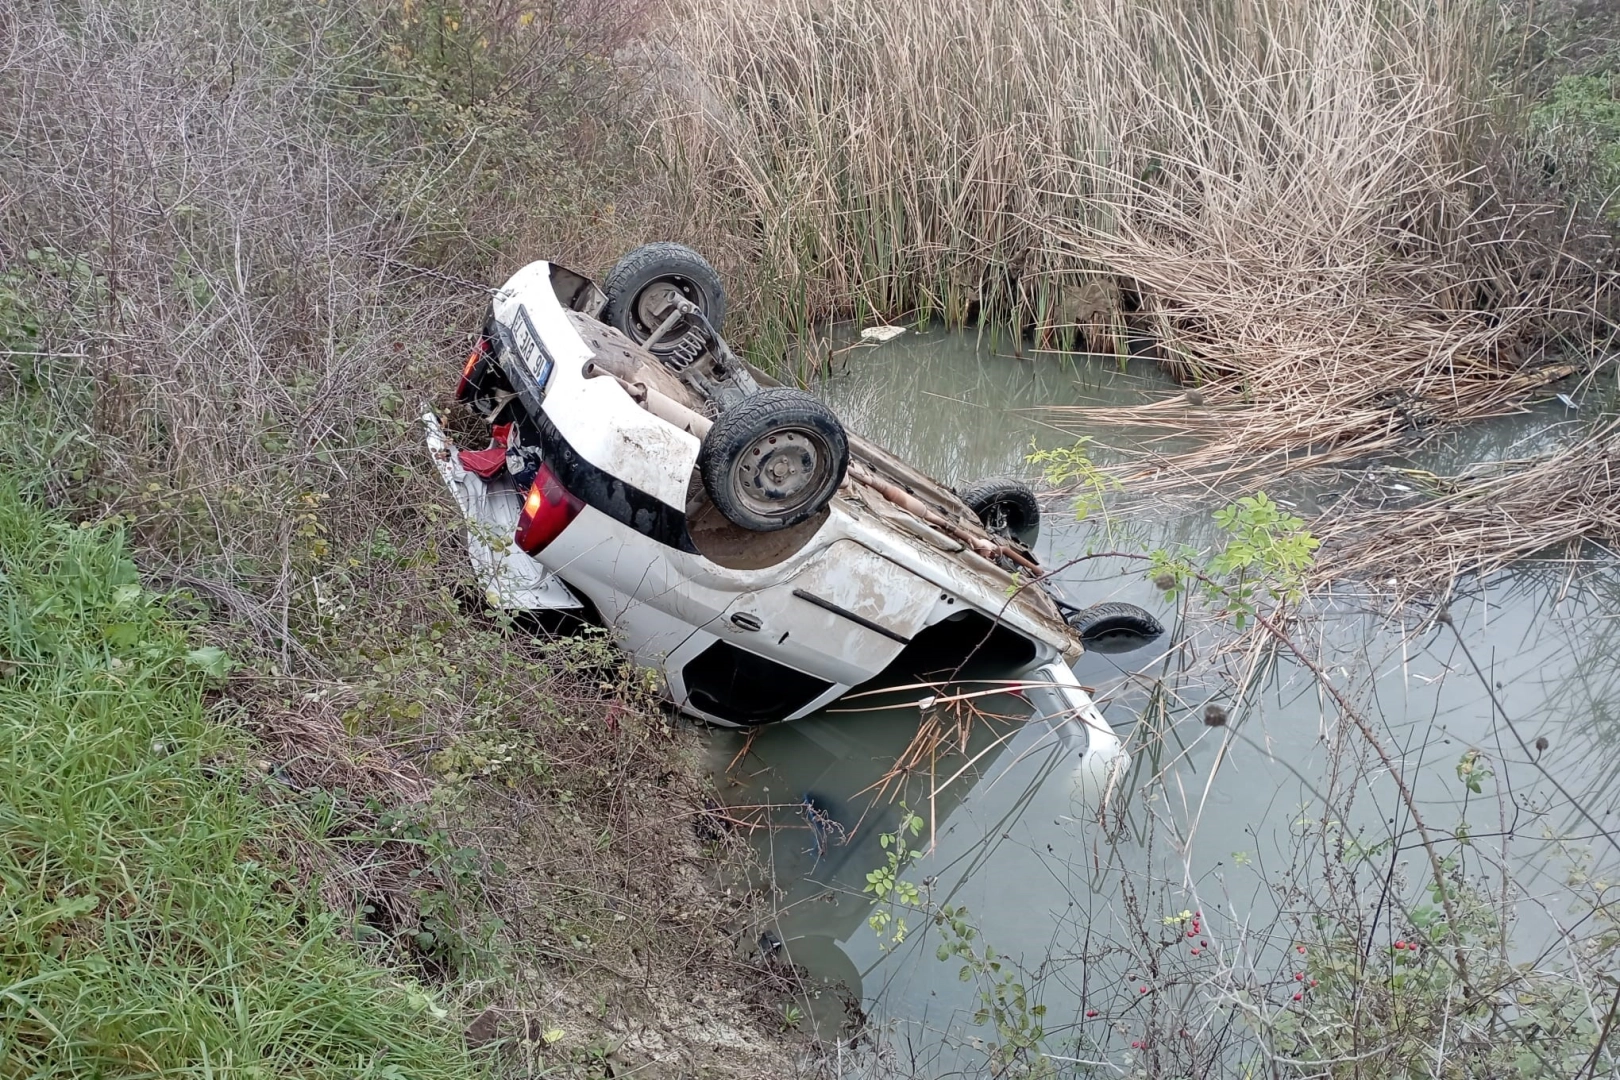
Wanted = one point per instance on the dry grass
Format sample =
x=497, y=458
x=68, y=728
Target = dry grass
x=1325, y=213
x=1482, y=521
x=196, y=220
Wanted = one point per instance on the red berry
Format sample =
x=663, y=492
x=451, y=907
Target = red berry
x=1192, y=933
x=1298, y=996
x=1143, y=989
x=1195, y=952
x=1400, y=944
x=1198, y=914
x=1203, y=944
x=1091, y=1013
x=1299, y=976
x=1135, y=1045
x=1313, y=982
x=1301, y=949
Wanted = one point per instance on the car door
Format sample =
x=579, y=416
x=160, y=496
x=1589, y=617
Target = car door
x=843, y=617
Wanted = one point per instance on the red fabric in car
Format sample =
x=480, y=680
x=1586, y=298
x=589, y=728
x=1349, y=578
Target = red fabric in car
x=488, y=462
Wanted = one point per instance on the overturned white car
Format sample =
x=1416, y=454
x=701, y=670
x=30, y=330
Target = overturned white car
x=728, y=530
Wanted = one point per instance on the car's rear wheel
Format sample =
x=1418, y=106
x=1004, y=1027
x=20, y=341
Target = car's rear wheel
x=773, y=460
x=1007, y=508
x=1114, y=627
x=641, y=286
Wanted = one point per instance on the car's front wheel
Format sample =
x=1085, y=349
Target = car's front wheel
x=1006, y=508
x=773, y=460
x=1114, y=627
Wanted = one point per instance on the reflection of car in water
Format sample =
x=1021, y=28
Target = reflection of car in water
x=840, y=764
x=729, y=530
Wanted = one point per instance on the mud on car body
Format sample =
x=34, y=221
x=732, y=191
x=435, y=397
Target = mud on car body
x=729, y=531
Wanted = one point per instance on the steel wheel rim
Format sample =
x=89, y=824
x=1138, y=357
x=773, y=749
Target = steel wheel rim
x=781, y=472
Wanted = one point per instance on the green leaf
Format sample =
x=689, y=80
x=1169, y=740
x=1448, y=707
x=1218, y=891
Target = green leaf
x=122, y=635
x=211, y=661
x=68, y=909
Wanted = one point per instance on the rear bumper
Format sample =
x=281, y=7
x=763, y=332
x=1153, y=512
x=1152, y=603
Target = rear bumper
x=510, y=579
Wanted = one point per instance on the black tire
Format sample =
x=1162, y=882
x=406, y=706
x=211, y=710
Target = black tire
x=1007, y=508
x=774, y=459
x=635, y=283
x=1114, y=627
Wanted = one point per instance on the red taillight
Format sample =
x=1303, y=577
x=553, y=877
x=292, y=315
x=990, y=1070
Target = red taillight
x=473, y=357
x=546, y=512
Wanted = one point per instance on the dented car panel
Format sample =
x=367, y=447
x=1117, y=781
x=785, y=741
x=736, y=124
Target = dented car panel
x=510, y=578
x=743, y=628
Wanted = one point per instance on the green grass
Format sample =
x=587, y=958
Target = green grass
x=146, y=925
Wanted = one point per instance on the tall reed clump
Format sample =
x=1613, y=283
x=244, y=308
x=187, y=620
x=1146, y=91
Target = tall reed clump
x=1321, y=210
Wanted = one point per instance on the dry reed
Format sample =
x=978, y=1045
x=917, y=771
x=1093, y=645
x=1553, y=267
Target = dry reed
x=1481, y=522
x=1322, y=212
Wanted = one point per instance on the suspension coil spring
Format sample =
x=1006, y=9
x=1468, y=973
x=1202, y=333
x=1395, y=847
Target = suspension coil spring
x=684, y=353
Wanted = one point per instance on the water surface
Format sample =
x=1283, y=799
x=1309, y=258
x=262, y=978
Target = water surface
x=1212, y=818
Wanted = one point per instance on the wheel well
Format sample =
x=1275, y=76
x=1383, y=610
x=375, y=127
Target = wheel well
x=940, y=649
x=745, y=688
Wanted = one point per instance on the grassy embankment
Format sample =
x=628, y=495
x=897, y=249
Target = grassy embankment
x=152, y=923
x=211, y=332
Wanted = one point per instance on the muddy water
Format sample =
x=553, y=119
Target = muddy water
x=1013, y=839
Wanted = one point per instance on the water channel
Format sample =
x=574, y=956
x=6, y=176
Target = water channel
x=1212, y=819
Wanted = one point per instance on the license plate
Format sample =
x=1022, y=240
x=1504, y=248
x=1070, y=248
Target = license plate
x=526, y=342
